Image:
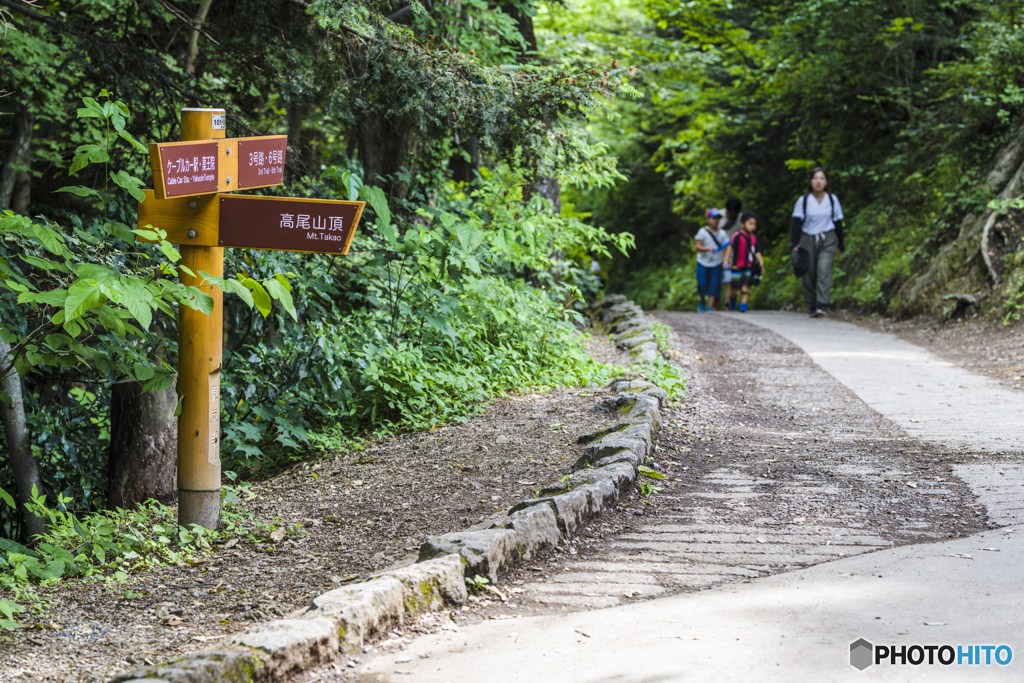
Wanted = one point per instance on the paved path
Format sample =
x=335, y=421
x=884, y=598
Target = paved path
x=931, y=399
x=824, y=478
x=791, y=627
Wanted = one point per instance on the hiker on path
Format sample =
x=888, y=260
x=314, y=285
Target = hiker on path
x=730, y=222
x=818, y=230
x=710, y=242
x=743, y=260
x=730, y=225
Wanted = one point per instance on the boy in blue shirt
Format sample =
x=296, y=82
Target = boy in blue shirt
x=709, y=243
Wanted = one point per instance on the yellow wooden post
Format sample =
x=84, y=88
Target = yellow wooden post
x=200, y=339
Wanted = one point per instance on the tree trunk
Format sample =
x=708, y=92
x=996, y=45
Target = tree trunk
x=193, y=41
x=386, y=145
x=143, y=445
x=22, y=189
x=18, y=158
x=465, y=170
x=26, y=471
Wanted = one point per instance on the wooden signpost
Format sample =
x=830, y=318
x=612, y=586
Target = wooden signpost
x=189, y=179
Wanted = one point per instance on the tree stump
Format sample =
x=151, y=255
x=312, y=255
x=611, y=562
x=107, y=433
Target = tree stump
x=143, y=445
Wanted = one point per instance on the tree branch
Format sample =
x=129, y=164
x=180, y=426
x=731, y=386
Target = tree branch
x=193, y=41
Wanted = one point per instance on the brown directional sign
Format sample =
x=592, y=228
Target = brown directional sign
x=283, y=223
x=288, y=224
x=261, y=161
x=187, y=169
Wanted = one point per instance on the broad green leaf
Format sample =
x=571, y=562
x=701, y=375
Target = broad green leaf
x=151, y=233
x=353, y=183
x=136, y=297
x=447, y=219
x=49, y=238
x=197, y=299
x=235, y=287
x=6, y=497
x=283, y=279
x=465, y=235
x=79, y=190
x=130, y=183
x=644, y=469
x=45, y=264
x=378, y=201
x=278, y=291
x=498, y=240
x=159, y=383
x=110, y=320
x=82, y=295
x=143, y=371
x=172, y=254
x=261, y=299
x=54, y=297
x=127, y=136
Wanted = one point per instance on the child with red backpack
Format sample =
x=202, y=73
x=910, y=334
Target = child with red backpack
x=743, y=261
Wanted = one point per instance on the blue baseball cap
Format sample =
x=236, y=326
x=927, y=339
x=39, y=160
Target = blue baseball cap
x=714, y=213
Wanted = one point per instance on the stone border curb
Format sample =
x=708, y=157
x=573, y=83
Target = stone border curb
x=343, y=620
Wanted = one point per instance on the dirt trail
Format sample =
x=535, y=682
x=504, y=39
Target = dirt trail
x=777, y=466
x=358, y=513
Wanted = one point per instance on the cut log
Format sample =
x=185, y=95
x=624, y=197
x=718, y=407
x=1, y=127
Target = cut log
x=143, y=445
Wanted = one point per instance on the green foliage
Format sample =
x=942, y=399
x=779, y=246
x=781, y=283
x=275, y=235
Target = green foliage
x=110, y=546
x=902, y=101
x=477, y=583
x=661, y=333
x=665, y=375
x=86, y=302
x=649, y=488
x=452, y=293
x=426, y=323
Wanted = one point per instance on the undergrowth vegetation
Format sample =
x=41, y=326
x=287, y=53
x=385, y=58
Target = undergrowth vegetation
x=112, y=545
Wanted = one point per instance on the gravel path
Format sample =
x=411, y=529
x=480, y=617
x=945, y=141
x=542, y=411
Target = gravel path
x=776, y=466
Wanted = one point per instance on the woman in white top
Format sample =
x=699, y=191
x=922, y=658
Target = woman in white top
x=818, y=230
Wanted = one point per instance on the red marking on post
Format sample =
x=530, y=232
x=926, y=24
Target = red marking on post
x=288, y=224
x=189, y=169
x=261, y=162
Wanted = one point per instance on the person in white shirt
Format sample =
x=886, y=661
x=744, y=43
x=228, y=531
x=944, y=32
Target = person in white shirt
x=818, y=230
x=709, y=243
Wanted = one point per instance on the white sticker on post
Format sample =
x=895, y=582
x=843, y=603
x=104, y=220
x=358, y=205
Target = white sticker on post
x=220, y=121
x=213, y=455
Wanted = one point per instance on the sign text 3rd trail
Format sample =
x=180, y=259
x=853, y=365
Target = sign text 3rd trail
x=185, y=169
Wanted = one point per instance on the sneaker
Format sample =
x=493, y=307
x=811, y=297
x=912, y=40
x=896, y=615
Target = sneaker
x=743, y=308
x=700, y=308
x=811, y=310
x=819, y=313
